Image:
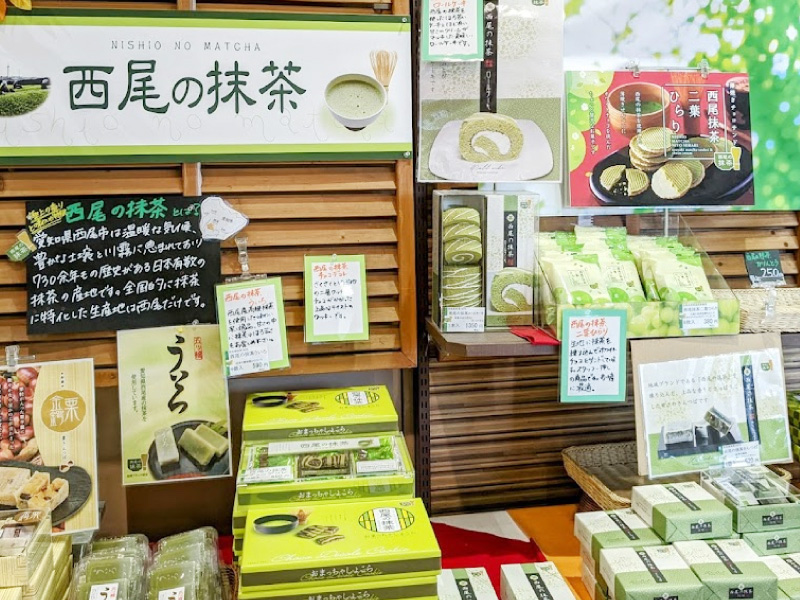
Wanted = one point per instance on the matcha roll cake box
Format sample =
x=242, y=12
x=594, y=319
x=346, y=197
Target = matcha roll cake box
x=364, y=410
x=295, y=549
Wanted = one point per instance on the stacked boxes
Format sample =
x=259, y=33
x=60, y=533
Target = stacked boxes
x=26, y=554
x=380, y=549
x=533, y=581
x=648, y=572
x=465, y=583
x=787, y=570
x=766, y=509
x=325, y=501
x=319, y=446
x=729, y=569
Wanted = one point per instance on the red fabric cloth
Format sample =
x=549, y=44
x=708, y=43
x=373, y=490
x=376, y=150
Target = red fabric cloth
x=535, y=335
x=462, y=549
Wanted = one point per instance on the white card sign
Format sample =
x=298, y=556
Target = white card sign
x=336, y=298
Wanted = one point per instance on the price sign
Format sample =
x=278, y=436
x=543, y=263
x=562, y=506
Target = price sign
x=764, y=268
x=699, y=315
x=463, y=320
x=593, y=355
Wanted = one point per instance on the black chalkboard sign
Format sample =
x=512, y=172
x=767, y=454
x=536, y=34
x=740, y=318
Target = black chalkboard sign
x=764, y=268
x=119, y=263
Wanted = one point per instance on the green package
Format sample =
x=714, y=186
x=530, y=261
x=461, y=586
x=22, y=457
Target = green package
x=648, y=573
x=182, y=576
x=456, y=584
x=306, y=547
x=405, y=588
x=576, y=279
x=621, y=276
x=787, y=569
x=729, y=569
x=318, y=413
x=760, y=500
x=768, y=543
x=613, y=529
x=325, y=470
x=533, y=580
x=682, y=511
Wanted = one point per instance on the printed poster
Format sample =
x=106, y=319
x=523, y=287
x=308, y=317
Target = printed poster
x=498, y=120
x=48, y=453
x=164, y=87
x=693, y=409
x=173, y=400
x=759, y=38
x=676, y=138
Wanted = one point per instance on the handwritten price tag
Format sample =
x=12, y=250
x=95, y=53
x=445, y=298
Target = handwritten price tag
x=699, y=316
x=463, y=320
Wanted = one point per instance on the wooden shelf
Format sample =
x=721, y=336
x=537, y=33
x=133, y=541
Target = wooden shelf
x=489, y=344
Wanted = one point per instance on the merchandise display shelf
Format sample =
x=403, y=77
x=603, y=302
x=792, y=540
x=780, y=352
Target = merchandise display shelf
x=489, y=344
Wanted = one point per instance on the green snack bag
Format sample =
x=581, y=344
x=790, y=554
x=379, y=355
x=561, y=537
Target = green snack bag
x=576, y=279
x=683, y=279
x=621, y=276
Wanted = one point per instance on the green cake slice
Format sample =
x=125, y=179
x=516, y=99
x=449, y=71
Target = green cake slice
x=478, y=146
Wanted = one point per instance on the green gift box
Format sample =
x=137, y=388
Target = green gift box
x=787, y=570
x=729, y=569
x=767, y=543
x=318, y=413
x=413, y=588
x=682, y=511
x=533, y=580
x=647, y=573
x=296, y=546
x=457, y=584
x=613, y=529
x=760, y=500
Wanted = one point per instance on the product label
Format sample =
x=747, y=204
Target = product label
x=680, y=496
x=729, y=564
x=173, y=594
x=463, y=320
x=277, y=448
x=700, y=527
x=777, y=544
x=357, y=398
x=105, y=591
x=740, y=592
x=772, y=520
x=651, y=567
x=465, y=589
x=269, y=474
x=386, y=520
x=792, y=563
x=624, y=527
x=376, y=466
x=539, y=587
x=740, y=455
x=699, y=316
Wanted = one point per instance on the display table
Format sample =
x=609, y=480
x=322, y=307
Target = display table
x=550, y=527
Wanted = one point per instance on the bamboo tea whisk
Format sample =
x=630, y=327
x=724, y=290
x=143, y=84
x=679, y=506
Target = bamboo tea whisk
x=383, y=64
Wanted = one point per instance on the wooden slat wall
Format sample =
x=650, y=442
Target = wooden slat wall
x=497, y=429
x=293, y=210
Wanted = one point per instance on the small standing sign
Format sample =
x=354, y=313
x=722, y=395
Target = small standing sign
x=252, y=326
x=764, y=268
x=336, y=298
x=452, y=30
x=593, y=355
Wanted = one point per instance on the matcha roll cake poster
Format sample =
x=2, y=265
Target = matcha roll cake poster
x=759, y=39
x=498, y=119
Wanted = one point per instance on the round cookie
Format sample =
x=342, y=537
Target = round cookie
x=656, y=140
x=611, y=176
x=636, y=148
x=672, y=181
x=638, y=182
x=698, y=171
x=707, y=150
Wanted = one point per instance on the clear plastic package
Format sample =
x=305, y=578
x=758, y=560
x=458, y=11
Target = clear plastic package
x=188, y=537
x=115, y=575
x=134, y=545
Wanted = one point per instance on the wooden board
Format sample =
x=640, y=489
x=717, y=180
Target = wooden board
x=294, y=210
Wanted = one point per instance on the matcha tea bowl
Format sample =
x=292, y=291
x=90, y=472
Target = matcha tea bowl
x=355, y=100
x=622, y=107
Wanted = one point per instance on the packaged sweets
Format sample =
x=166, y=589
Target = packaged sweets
x=457, y=584
x=648, y=573
x=682, y=511
x=25, y=541
x=620, y=275
x=318, y=413
x=760, y=500
x=767, y=543
x=134, y=545
x=729, y=569
x=613, y=529
x=787, y=569
x=683, y=279
x=533, y=581
x=576, y=279
x=113, y=575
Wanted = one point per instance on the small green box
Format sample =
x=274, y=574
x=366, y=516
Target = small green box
x=533, y=580
x=647, y=573
x=458, y=584
x=613, y=529
x=729, y=569
x=787, y=570
x=682, y=511
x=296, y=546
x=416, y=588
x=760, y=500
x=767, y=543
x=325, y=470
x=318, y=413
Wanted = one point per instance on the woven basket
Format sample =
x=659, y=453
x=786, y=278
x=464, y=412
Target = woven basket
x=607, y=472
x=787, y=310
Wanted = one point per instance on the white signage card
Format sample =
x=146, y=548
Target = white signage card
x=229, y=87
x=336, y=298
